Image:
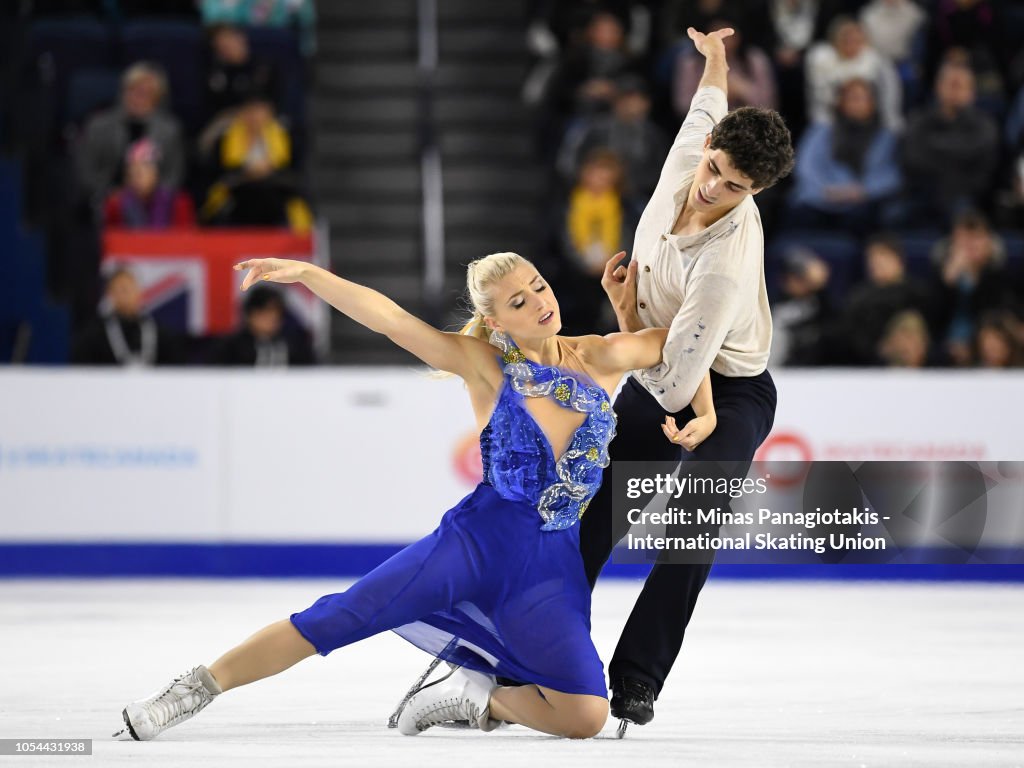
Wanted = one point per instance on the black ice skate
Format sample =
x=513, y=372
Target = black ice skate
x=632, y=702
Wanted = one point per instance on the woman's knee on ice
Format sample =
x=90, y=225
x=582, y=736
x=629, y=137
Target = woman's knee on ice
x=587, y=716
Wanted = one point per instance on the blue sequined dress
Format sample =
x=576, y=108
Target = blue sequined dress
x=499, y=586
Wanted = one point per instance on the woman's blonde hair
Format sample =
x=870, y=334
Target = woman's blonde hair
x=481, y=274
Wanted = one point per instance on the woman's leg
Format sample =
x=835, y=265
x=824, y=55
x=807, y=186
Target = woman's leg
x=575, y=716
x=271, y=650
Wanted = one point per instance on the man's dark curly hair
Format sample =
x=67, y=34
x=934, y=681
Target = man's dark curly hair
x=758, y=143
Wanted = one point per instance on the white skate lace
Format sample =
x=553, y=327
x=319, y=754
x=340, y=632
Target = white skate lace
x=168, y=707
x=445, y=710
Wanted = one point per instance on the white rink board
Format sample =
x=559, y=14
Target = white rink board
x=376, y=455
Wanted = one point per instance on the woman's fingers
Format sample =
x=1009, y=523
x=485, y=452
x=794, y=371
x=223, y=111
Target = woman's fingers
x=252, y=277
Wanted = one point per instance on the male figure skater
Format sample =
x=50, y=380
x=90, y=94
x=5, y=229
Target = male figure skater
x=698, y=269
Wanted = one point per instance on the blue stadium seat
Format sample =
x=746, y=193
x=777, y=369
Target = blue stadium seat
x=917, y=250
x=90, y=90
x=178, y=48
x=1014, y=242
x=280, y=47
x=57, y=48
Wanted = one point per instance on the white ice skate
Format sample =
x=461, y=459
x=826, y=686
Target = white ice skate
x=462, y=695
x=176, y=703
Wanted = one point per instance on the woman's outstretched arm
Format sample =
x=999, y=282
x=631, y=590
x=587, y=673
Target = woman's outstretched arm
x=462, y=355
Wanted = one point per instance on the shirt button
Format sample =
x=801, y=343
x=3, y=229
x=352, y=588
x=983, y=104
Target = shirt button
x=642, y=305
x=647, y=269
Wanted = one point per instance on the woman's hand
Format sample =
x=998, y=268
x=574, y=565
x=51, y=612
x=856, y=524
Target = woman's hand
x=693, y=434
x=274, y=270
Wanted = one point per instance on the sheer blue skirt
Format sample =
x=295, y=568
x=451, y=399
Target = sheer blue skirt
x=487, y=590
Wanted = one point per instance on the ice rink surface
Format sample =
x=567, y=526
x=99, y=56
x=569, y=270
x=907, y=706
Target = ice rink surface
x=771, y=674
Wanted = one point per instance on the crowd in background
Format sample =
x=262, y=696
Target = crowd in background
x=170, y=118
x=898, y=238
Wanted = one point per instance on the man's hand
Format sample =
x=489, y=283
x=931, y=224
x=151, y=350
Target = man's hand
x=710, y=44
x=619, y=283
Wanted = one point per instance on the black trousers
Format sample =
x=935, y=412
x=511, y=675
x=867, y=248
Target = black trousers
x=654, y=632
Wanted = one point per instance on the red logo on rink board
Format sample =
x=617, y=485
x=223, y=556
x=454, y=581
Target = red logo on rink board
x=784, y=447
x=466, y=460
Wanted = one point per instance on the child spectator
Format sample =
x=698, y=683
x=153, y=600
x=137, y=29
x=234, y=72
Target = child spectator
x=144, y=202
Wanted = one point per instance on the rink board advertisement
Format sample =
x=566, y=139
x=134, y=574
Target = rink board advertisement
x=368, y=458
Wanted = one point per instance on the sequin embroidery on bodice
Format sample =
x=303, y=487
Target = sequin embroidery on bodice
x=518, y=459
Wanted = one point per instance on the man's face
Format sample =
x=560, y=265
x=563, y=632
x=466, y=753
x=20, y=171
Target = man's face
x=632, y=107
x=717, y=185
x=265, y=323
x=125, y=296
x=954, y=88
x=885, y=267
x=141, y=96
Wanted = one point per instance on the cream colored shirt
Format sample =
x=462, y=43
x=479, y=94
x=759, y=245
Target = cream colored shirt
x=707, y=289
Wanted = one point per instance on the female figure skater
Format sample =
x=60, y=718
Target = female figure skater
x=499, y=587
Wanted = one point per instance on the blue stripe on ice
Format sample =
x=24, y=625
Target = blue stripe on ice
x=254, y=560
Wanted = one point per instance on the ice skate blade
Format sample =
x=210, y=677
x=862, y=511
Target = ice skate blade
x=416, y=688
x=620, y=732
x=127, y=733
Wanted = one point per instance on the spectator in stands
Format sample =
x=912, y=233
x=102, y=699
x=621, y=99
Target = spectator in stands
x=139, y=115
x=891, y=27
x=969, y=28
x=563, y=23
x=793, y=22
x=233, y=73
x=751, y=78
x=293, y=14
x=997, y=342
x=802, y=318
x=583, y=83
x=886, y=292
x=847, y=169
x=263, y=342
x=950, y=151
x=906, y=343
x=143, y=202
x=968, y=279
x=256, y=188
x=595, y=226
x=629, y=132
x=847, y=55
x=126, y=336
x=896, y=29
x=1010, y=208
